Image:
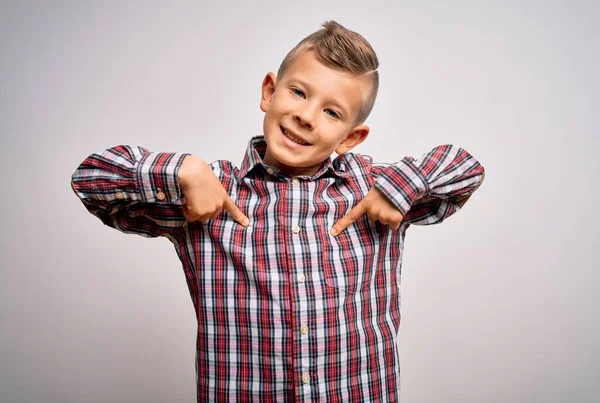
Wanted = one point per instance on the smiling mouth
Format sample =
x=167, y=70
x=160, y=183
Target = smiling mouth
x=292, y=137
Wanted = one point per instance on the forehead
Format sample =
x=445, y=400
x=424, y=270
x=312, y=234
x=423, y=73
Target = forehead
x=347, y=88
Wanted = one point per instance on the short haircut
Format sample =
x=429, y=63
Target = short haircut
x=341, y=49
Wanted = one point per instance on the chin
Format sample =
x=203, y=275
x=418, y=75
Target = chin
x=285, y=158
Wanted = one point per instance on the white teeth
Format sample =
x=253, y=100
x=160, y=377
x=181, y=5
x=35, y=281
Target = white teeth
x=294, y=139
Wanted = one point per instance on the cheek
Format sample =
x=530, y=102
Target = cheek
x=270, y=118
x=268, y=124
x=333, y=134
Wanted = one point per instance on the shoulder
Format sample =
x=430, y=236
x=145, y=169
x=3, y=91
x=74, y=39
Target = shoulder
x=355, y=163
x=226, y=171
x=363, y=165
x=352, y=160
x=223, y=166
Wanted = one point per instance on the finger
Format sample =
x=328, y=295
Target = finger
x=349, y=218
x=187, y=216
x=395, y=225
x=373, y=215
x=235, y=212
x=400, y=219
x=203, y=218
x=386, y=218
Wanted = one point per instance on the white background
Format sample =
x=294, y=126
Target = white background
x=499, y=303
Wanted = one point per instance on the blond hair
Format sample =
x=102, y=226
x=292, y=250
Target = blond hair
x=341, y=49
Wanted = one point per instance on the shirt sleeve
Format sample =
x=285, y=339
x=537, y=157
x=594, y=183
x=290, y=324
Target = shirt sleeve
x=432, y=188
x=132, y=189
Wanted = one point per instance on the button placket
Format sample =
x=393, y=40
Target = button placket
x=297, y=197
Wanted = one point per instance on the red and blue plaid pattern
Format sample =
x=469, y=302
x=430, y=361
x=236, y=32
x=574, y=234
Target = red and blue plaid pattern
x=286, y=312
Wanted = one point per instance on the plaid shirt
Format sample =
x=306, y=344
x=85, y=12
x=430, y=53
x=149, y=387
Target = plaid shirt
x=286, y=312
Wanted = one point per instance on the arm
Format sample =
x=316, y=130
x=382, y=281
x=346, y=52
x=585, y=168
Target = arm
x=132, y=190
x=429, y=190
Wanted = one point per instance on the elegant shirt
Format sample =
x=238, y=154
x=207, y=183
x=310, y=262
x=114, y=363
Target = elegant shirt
x=286, y=312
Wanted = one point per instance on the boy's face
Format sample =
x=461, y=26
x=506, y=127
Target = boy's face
x=317, y=106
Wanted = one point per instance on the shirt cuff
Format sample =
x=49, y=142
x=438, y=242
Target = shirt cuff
x=157, y=177
x=402, y=183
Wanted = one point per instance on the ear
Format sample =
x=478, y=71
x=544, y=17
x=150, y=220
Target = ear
x=354, y=138
x=267, y=90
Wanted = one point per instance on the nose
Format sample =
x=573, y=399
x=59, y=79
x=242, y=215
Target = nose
x=306, y=116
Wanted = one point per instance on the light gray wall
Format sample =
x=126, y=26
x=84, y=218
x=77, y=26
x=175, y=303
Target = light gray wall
x=499, y=304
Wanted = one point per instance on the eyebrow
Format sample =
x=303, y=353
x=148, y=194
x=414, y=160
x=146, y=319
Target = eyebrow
x=333, y=100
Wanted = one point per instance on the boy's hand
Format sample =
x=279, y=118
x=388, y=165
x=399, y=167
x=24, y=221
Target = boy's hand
x=204, y=194
x=377, y=207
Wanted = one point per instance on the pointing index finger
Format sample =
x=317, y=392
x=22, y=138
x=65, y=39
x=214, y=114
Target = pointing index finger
x=235, y=212
x=349, y=218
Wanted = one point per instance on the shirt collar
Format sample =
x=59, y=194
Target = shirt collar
x=255, y=153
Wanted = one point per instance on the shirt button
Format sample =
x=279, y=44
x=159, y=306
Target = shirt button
x=295, y=228
x=304, y=329
x=295, y=181
x=270, y=171
x=301, y=278
x=119, y=195
x=160, y=196
x=305, y=378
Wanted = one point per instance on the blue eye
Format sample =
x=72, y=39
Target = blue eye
x=297, y=92
x=333, y=113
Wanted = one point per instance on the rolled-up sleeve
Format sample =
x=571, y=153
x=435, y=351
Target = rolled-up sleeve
x=132, y=189
x=430, y=189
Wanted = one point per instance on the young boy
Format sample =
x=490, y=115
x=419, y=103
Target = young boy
x=292, y=260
